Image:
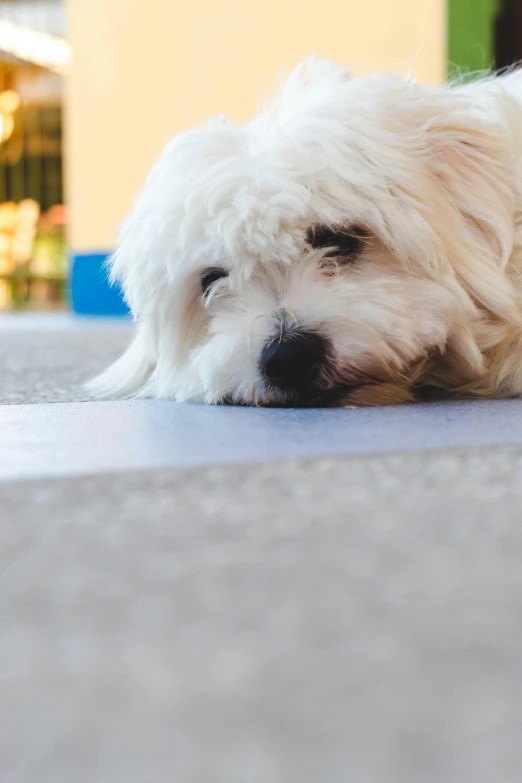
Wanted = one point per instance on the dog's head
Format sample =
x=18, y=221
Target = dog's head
x=344, y=247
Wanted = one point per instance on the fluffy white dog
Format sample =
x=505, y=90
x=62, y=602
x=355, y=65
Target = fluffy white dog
x=359, y=242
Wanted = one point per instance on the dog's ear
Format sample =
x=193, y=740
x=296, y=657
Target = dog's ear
x=468, y=199
x=151, y=242
x=456, y=216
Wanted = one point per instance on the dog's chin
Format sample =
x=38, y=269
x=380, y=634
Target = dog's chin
x=305, y=398
x=343, y=397
x=365, y=395
x=362, y=396
x=351, y=388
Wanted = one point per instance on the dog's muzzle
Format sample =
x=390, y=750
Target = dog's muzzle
x=293, y=364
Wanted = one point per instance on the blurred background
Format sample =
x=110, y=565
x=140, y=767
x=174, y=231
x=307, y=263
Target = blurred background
x=90, y=91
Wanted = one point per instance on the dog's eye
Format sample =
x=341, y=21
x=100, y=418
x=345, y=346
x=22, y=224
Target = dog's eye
x=342, y=243
x=211, y=276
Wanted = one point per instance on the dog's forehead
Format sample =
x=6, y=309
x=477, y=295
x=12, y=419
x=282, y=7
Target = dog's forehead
x=249, y=232
x=245, y=206
x=251, y=192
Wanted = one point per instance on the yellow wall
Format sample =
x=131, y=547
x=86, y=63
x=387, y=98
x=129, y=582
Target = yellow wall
x=144, y=69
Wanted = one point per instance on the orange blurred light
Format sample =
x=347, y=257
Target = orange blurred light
x=6, y=125
x=9, y=101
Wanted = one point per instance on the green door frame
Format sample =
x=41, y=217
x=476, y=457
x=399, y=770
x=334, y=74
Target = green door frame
x=471, y=35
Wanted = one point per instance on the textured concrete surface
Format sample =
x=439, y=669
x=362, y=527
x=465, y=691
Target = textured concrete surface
x=350, y=620
x=47, y=358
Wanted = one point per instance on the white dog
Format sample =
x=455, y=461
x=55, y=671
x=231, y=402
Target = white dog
x=359, y=242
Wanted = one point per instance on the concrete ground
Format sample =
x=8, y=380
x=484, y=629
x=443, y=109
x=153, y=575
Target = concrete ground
x=353, y=617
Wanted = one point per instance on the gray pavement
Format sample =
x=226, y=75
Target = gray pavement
x=350, y=619
x=47, y=358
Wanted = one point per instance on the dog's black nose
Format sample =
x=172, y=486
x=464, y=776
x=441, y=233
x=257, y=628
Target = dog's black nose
x=294, y=362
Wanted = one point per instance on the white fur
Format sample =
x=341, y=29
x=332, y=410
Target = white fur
x=434, y=174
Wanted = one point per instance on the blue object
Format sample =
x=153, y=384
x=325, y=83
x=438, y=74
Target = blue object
x=90, y=292
x=44, y=440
